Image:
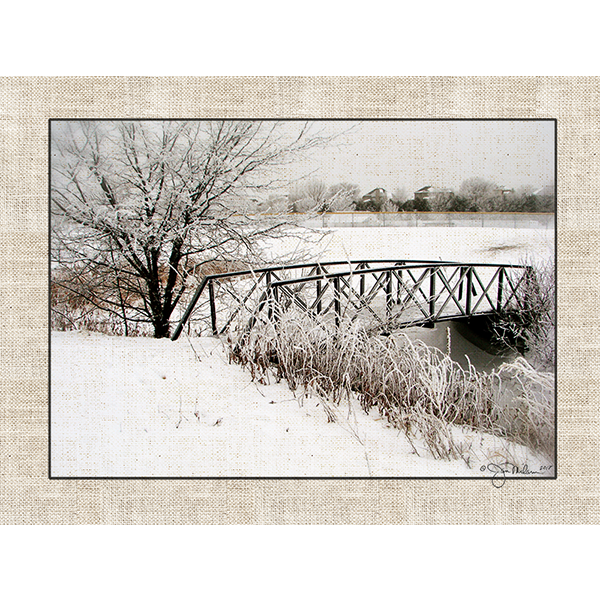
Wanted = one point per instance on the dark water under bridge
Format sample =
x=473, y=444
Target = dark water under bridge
x=383, y=294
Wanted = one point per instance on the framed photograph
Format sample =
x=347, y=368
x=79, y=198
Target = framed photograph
x=314, y=298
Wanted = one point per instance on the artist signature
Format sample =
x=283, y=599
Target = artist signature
x=501, y=470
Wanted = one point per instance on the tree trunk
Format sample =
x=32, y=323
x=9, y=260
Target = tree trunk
x=161, y=328
x=159, y=322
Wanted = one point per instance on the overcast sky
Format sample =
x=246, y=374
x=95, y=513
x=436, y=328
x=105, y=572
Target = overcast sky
x=412, y=154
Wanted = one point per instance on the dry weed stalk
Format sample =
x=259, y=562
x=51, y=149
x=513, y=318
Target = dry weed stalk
x=418, y=389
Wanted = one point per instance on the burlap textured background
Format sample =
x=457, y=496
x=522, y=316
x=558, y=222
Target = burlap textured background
x=27, y=496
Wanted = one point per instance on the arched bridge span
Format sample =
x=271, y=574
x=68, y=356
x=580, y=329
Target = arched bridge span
x=385, y=294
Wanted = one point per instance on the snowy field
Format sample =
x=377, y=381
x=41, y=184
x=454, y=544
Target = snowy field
x=156, y=408
x=466, y=244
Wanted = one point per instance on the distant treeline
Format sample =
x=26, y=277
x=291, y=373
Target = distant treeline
x=474, y=195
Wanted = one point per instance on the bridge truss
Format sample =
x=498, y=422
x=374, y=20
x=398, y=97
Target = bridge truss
x=383, y=294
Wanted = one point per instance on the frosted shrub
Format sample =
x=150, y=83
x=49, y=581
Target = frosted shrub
x=530, y=325
x=418, y=389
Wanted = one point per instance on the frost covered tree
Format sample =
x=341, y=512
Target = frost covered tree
x=308, y=196
x=342, y=196
x=137, y=206
x=315, y=197
x=478, y=192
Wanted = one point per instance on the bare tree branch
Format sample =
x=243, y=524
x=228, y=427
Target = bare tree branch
x=135, y=205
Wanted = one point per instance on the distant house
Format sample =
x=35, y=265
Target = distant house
x=503, y=192
x=432, y=198
x=374, y=201
x=424, y=193
x=376, y=195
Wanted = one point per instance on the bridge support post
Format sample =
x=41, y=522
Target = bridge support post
x=432, y=293
x=388, y=294
x=213, y=310
x=269, y=295
x=275, y=312
x=362, y=282
x=336, y=301
x=319, y=289
x=500, y=288
x=469, y=285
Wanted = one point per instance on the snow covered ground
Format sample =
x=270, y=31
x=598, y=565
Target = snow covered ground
x=467, y=244
x=156, y=408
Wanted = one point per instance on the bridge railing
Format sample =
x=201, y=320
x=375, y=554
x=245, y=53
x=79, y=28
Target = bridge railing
x=403, y=295
x=224, y=299
x=381, y=293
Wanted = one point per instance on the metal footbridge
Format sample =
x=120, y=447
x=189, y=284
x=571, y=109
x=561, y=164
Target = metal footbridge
x=384, y=294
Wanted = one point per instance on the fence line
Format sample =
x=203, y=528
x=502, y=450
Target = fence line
x=433, y=219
